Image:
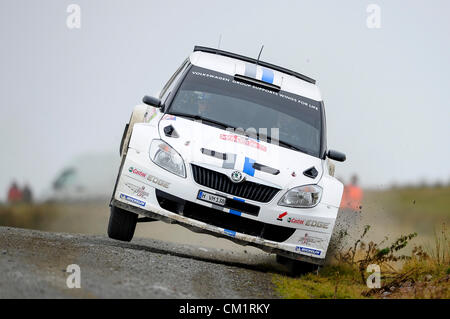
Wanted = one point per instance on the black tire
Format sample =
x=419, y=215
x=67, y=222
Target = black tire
x=122, y=224
x=296, y=268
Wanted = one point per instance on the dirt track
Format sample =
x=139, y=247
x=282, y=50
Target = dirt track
x=34, y=264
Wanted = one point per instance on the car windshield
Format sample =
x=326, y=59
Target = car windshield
x=219, y=99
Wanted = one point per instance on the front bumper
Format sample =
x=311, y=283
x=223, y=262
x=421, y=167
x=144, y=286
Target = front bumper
x=141, y=183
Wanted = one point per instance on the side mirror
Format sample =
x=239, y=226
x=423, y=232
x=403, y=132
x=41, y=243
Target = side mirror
x=337, y=156
x=152, y=101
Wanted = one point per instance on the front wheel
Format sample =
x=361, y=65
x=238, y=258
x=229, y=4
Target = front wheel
x=122, y=224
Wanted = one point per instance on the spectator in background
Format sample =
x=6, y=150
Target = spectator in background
x=27, y=194
x=14, y=193
x=353, y=194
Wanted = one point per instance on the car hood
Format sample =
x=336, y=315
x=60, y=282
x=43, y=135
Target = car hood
x=225, y=151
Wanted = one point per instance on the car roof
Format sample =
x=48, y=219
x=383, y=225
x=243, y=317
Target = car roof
x=231, y=64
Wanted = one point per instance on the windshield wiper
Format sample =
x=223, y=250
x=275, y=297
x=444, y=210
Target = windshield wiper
x=199, y=118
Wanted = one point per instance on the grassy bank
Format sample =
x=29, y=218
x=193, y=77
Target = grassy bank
x=417, y=279
x=425, y=273
x=424, y=270
x=416, y=202
x=28, y=215
x=82, y=217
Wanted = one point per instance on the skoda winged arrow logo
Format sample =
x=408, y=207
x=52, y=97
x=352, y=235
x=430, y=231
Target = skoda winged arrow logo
x=236, y=177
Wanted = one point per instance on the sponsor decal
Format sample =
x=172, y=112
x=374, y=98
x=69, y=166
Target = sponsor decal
x=243, y=140
x=137, y=172
x=150, y=115
x=229, y=232
x=138, y=190
x=213, y=76
x=308, y=250
x=317, y=224
x=132, y=199
x=295, y=220
x=158, y=181
x=310, y=222
x=308, y=239
x=280, y=217
x=169, y=117
x=150, y=178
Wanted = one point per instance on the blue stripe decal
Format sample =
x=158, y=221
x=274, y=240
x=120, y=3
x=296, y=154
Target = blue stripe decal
x=229, y=232
x=235, y=212
x=248, y=167
x=267, y=75
x=239, y=199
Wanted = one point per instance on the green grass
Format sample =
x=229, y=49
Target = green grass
x=424, y=274
x=426, y=277
x=413, y=201
x=28, y=215
x=73, y=217
x=339, y=282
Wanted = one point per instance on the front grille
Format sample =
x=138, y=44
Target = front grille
x=222, y=219
x=222, y=183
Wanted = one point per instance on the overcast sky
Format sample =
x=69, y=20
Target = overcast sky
x=64, y=92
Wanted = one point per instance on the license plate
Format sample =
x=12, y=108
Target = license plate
x=212, y=198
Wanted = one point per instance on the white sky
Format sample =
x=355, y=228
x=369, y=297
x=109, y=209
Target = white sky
x=65, y=92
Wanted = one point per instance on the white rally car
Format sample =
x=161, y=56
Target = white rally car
x=233, y=147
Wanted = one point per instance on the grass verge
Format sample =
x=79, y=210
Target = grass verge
x=423, y=274
x=28, y=215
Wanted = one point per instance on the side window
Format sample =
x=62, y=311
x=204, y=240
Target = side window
x=173, y=81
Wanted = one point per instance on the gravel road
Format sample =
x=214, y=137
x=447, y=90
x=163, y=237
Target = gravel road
x=33, y=264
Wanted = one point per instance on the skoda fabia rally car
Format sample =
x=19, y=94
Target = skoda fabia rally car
x=233, y=147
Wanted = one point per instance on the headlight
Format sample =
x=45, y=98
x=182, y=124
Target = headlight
x=163, y=155
x=302, y=196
